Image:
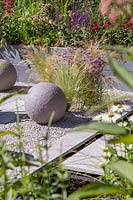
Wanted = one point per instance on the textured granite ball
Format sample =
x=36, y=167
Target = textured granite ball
x=43, y=99
x=8, y=75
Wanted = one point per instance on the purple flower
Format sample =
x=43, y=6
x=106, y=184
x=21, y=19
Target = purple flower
x=69, y=25
x=57, y=17
x=100, y=60
x=75, y=16
x=86, y=21
x=90, y=61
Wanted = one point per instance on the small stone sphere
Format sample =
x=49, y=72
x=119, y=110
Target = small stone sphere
x=43, y=99
x=8, y=75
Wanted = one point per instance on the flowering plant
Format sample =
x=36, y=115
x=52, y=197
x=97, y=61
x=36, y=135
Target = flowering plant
x=59, y=23
x=77, y=71
x=118, y=154
x=9, y=7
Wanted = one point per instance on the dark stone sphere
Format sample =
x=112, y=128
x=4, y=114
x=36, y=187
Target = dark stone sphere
x=43, y=99
x=8, y=75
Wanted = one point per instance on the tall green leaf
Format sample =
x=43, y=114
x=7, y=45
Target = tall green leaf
x=104, y=128
x=121, y=72
x=3, y=133
x=93, y=190
x=123, y=169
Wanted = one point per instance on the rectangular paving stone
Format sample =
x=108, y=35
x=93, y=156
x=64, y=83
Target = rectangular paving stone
x=17, y=104
x=66, y=145
x=87, y=160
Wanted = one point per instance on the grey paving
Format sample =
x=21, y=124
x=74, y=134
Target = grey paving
x=88, y=160
x=65, y=145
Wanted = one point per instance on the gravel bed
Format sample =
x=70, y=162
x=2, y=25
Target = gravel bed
x=33, y=134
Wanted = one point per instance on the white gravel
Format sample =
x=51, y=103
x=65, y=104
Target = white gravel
x=33, y=134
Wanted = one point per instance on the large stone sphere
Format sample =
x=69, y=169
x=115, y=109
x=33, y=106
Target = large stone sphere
x=8, y=75
x=43, y=99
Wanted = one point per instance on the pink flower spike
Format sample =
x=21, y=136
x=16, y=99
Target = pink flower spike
x=107, y=24
x=9, y=12
x=9, y=5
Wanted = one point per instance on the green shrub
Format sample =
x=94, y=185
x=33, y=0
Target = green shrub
x=60, y=23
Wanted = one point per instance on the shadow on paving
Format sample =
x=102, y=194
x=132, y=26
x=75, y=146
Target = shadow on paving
x=11, y=117
x=70, y=120
x=18, y=88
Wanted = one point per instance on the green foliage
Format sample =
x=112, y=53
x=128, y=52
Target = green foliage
x=104, y=128
x=120, y=36
x=59, y=23
x=126, y=139
x=2, y=133
x=119, y=156
x=50, y=182
x=96, y=190
x=120, y=166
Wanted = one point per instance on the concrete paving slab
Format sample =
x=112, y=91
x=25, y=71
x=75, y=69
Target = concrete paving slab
x=14, y=106
x=87, y=160
x=67, y=144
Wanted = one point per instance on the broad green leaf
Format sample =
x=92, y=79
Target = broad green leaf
x=2, y=133
x=126, y=139
x=121, y=72
x=104, y=128
x=9, y=195
x=93, y=190
x=123, y=169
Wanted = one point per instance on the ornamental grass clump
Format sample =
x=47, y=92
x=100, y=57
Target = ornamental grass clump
x=77, y=71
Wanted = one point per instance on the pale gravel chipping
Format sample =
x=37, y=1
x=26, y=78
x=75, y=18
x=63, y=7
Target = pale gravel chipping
x=34, y=134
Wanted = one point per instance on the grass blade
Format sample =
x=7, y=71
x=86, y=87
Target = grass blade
x=3, y=133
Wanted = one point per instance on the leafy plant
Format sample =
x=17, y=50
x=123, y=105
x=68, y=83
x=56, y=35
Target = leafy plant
x=119, y=160
x=60, y=23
